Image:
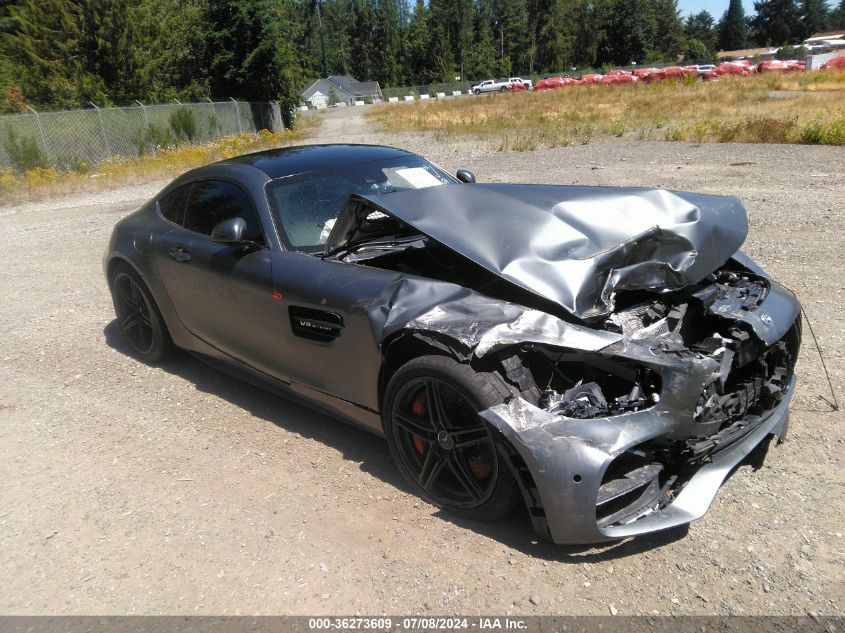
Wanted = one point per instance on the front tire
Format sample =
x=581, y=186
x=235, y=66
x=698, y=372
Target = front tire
x=450, y=456
x=138, y=317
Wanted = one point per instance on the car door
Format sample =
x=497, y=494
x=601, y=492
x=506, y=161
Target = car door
x=221, y=292
x=328, y=332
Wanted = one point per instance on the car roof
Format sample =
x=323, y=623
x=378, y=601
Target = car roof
x=298, y=159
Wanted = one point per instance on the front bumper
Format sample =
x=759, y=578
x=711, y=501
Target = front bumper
x=568, y=458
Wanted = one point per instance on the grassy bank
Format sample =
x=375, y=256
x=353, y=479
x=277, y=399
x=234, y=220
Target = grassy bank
x=771, y=108
x=166, y=163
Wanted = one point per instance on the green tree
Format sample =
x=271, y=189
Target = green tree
x=44, y=43
x=697, y=51
x=732, y=29
x=416, y=50
x=630, y=28
x=837, y=16
x=11, y=99
x=482, y=62
x=551, y=35
x=777, y=22
x=511, y=26
x=463, y=18
x=169, y=45
x=814, y=17
x=590, y=19
x=388, y=38
x=362, y=39
x=669, y=38
x=251, y=55
x=108, y=30
x=701, y=27
x=336, y=18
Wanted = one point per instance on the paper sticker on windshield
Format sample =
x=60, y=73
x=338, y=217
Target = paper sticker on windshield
x=418, y=177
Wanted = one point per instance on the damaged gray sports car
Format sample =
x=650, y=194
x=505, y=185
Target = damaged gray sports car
x=605, y=356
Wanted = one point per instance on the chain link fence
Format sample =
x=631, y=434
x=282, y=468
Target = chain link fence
x=76, y=140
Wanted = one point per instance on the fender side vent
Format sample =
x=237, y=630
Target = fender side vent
x=315, y=325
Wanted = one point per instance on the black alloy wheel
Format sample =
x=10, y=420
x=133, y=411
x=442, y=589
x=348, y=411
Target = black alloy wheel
x=138, y=318
x=441, y=444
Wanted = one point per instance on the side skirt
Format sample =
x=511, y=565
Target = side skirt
x=341, y=409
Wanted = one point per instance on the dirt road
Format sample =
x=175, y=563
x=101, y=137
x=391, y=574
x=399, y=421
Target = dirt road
x=178, y=490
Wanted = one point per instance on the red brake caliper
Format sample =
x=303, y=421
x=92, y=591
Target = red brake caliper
x=418, y=409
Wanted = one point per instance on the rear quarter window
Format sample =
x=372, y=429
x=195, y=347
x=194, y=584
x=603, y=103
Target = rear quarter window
x=172, y=206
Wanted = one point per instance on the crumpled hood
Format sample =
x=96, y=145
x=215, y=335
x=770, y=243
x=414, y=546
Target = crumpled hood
x=575, y=246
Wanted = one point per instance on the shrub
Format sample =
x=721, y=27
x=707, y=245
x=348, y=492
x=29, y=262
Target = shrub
x=8, y=182
x=183, y=124
x=791, y=52
x=213, y=126
x=524, y=143
x=820, y=132
x=675, y=134
x=154, y=137
x=24, y=152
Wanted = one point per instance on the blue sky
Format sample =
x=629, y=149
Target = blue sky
x=716, y=8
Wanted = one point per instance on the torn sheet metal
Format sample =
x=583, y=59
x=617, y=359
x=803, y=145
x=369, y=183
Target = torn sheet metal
x=575, y=246
x=485, y=325
x=567, y=459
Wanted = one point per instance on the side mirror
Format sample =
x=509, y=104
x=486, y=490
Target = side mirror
x=465, y=176
x=231, y=231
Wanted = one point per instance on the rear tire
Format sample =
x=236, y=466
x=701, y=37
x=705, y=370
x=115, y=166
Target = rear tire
x=448, y=454
x=138, y=317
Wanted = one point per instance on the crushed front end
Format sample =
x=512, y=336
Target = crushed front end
x=639, y=435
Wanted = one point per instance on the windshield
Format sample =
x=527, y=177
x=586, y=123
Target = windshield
x=307, y=206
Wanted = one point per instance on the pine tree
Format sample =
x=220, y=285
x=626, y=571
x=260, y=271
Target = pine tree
x=417, y=44
x=733, y=30
x=701, y=27
x=388, y=35
x=251, y=55
x=464, y=15
x=814, y=17
x=669, y=38
x=109, y=31
x=777, y=22
x=170, y=50
x=44, y=43
x=630, y=27
x=362, y=32
x=590, y=19
x=11, y=99
x=512, y=28
x=336, y=18
x=837, y=17
x=482, y=63
x=551, y=35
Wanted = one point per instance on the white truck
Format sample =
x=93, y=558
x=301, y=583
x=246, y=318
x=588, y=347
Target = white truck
x=491, y=85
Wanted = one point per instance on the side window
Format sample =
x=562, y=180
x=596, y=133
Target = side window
x=212, y=201
x=172, y=206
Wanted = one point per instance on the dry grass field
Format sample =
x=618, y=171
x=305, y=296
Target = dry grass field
x=804, y=108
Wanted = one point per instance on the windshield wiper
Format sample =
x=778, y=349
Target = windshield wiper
x=342, y=251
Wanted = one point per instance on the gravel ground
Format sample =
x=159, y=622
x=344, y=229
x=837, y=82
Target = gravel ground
x=128, y=489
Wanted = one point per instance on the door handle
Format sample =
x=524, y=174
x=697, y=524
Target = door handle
x=179, y=254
